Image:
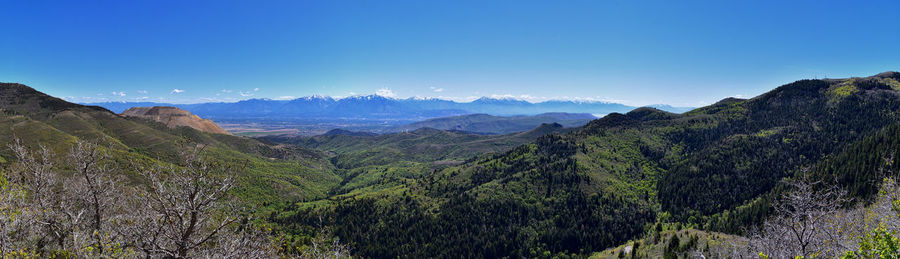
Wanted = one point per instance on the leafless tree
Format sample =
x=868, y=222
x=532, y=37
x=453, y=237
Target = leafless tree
x=45, y=212
x=52, y=216
x=807, y=221
x=244, y=241
x=98, y=190
x=321, y=248
x=727, y=248
x=84, y=208
x=182, y=206
x=12, y=222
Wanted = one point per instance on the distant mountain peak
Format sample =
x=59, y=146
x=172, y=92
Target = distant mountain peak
x=367, y=97
x=316, y=97
x=425, y=98
x=256, y=100
x=498, y=100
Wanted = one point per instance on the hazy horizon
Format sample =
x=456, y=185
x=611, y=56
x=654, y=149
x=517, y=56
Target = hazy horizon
x=631, y=52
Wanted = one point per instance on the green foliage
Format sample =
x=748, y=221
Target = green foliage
x=738, y=168
x=717, y=167
x=670, y=243
x=862, y=165
x=477, y=220
x=895, y=85
x=673, y=248
x=879, y=243
x=843, y=89
x=431, y=193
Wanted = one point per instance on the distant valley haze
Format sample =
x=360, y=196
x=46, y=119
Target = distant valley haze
x=318, y=114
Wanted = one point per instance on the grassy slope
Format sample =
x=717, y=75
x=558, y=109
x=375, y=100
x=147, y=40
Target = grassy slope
x=271, y=172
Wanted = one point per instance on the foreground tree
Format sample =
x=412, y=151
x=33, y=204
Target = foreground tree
x=84, y=209
x=97, y=192
x=45, y=219
x=184, y=209
x=805, y=223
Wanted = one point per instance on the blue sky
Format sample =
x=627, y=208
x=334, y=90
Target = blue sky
x=687, y=53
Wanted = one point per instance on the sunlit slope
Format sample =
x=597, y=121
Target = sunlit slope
x=600, y=185
x=270, y=171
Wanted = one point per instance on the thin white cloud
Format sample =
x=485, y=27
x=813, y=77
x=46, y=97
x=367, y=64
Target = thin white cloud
x=94, y=99
x=142, y=91
x=119, y=94
x=436, y=90
x=386, y=92
x=176, y=91
x=245, y=94
x=256, y=89
x=285, y=97
x=225, y=91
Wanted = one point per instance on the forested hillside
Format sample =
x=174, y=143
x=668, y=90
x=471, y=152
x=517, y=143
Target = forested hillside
x=370, y=164
x=717, y=167
x=638, y=177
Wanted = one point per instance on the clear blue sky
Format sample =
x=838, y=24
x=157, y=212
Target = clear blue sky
x=639, y=52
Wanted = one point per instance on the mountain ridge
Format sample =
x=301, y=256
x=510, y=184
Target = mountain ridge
x=490, y=124
x=376, y=106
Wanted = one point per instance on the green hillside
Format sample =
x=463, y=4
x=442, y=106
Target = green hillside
x=715, y=167
x=489, y=124
x=370, y=163
x=549, y=191
x=271, y=171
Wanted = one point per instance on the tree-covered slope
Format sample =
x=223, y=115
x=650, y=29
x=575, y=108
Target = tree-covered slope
x=270, y=171
x=489, y=124
x=369, y=163
x=756, y=142
x=603, y=184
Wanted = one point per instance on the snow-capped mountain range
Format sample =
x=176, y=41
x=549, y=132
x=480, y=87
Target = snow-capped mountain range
x=380, y=107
